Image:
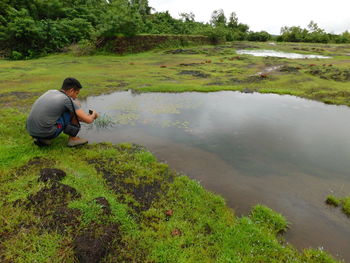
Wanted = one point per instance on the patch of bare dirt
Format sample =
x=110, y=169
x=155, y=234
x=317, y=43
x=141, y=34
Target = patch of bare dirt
x=145, y=192
x=217, y=83
x=330, y=72
x=51, y=205
x=194, y=73
x=106, y=209
x=289, y=69
x=51, y=202
x=182, y=51
x=189, y=64
x=19, y=94
x=121, y=85
x=243, y=45
x=95, y=242
x=51, y=174
x=256, y=78
x=33, y=166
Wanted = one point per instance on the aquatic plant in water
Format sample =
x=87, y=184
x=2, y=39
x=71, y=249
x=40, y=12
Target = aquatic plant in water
x=127, y=118
x=104, y=121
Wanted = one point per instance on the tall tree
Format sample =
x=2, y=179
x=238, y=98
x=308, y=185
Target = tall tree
x=187, y=17
x=233, y=21
x=218, y=18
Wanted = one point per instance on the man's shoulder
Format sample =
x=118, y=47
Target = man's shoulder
x=53, y=96
x=51, y=92
x=54, y=93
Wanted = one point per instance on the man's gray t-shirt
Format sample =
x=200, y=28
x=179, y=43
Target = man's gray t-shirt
x=45, y=112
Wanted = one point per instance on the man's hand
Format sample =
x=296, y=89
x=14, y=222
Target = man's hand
x=95, y=114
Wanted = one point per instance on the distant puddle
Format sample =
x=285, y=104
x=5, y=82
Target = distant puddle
x=285, y=152
x=279, y=54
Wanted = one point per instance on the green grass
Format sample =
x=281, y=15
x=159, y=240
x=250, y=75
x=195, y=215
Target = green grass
x=343, y=202
x=268, y=218
x=331, y=200
x=346, y=205
x=43, y=247
x=143, y=72
x=139, y=189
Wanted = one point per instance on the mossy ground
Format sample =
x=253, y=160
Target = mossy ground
x=116, y=203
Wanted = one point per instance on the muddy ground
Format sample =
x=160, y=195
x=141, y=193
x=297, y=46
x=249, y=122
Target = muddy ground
x=90, y=243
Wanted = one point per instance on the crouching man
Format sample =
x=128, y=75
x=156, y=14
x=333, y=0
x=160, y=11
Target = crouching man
x=56, y=111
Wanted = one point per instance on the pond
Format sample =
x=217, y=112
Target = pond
x=281, y=151
x=279, y=54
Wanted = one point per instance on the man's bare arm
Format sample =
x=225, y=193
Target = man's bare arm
x=87, y=118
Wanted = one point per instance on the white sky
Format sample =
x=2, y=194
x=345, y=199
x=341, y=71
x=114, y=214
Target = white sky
x=268, y=15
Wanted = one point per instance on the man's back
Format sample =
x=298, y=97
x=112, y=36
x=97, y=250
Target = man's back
x=47, y=109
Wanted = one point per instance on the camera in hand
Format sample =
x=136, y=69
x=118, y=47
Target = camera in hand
x=91, y=112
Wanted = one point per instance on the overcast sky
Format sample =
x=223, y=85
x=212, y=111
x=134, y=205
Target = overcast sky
x=268, y=15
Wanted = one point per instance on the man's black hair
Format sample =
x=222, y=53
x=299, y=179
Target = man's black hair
x=69, y=83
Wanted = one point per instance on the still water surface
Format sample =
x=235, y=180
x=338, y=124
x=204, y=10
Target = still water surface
x=282, y=151
x=279, y=54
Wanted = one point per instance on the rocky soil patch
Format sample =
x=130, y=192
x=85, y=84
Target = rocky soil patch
x=182, y=51
x=144, y=192
x=50, y=204
x=194, y=73
x=189, y=64
x=330, y=72
x=94, y=243
x=289, y=69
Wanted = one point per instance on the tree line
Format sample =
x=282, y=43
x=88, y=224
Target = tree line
x=313, y=33
x=30, y=28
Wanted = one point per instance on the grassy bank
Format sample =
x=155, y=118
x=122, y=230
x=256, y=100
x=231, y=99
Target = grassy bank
x=116, y=203
x=142, y=43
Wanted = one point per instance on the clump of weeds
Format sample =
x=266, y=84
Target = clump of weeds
x=103, y=121
x=343, y=202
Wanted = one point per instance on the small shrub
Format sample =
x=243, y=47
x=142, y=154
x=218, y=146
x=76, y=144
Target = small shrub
x=331, y=200
x=83, y=48
x=265, y=216
x=216, y=35
x=15, y=55
x=261, y=36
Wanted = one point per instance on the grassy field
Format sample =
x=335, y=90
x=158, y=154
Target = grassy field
x=116, y=203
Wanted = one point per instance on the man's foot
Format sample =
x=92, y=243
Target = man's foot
x=76, y=141
x=42, y=142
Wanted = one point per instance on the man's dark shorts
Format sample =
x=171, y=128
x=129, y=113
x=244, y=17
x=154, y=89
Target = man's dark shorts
x=61, y=123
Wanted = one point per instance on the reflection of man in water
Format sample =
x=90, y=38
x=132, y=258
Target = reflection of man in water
x=54, y=110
